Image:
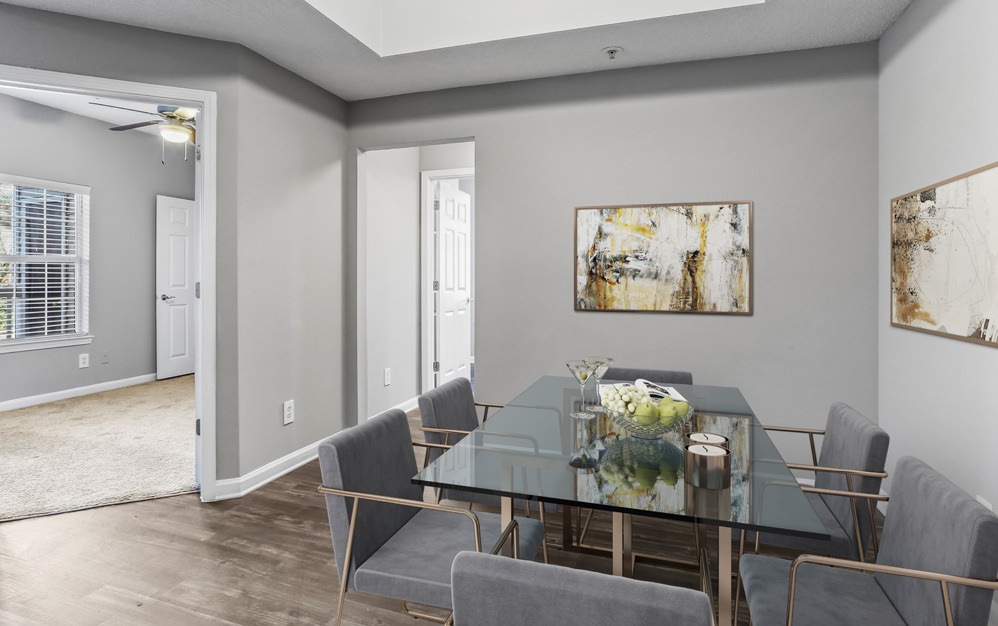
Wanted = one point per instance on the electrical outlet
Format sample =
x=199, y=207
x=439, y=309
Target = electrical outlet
x=388, y=376
x=289, y=411
x=105, y=358
x=985, y=503
x=84, y=360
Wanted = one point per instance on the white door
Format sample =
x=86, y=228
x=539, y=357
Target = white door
x=453, y=276
x=176, y=279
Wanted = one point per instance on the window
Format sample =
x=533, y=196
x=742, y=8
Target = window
x=44, y=264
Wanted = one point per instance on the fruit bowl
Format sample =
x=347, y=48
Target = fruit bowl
x=655, y=429
x=632, y=409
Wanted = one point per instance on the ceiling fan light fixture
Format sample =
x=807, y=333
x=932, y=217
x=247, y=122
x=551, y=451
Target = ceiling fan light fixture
x=176, y=133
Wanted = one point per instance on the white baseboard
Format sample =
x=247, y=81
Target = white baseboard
x=229, y=488
x=20, y=403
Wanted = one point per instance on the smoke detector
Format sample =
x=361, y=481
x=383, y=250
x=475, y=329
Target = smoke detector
x=612, y=51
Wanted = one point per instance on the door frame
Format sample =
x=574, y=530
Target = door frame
x=205, y=189
x=427, y=246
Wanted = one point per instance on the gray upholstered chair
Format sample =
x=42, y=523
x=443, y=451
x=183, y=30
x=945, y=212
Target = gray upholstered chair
x=663, y=377
x=936, y=539
x=388, y=541
x=853, y=455
x=447, y=414
x=495, y=591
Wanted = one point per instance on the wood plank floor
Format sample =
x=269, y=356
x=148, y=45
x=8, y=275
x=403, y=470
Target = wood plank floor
x=264, y=559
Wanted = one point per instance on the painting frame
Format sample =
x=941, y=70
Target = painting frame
x=670, y=285
x=917, y=225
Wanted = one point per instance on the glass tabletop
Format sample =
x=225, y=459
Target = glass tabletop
x=533, y=449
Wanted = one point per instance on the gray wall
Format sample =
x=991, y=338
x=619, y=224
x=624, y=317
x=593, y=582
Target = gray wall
x=937, y=120
x=124, y=173
x=447, y=156
x=280, y=232
x=796, y=133
x=393, y=276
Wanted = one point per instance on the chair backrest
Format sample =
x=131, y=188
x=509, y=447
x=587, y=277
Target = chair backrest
x=934, y=525
x=497, y=591
x=451, y=405
x=375, y=457
x=851, y=442
x=663, y=377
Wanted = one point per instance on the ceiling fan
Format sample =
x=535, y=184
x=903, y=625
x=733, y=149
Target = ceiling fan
x=176, y=124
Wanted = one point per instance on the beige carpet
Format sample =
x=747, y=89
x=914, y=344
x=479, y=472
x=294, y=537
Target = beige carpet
x=116, y=446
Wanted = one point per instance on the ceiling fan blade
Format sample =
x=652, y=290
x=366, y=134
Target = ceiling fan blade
x=135, y=125
x=111, y=106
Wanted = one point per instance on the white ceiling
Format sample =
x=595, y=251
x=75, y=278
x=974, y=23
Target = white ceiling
x=390, y=27
x=297, y=36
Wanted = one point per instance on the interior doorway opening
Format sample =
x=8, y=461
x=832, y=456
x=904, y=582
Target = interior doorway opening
x=87, y=89
x=399, y=340
x=448, y=286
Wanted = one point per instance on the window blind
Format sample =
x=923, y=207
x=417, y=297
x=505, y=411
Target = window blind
x=43, y=261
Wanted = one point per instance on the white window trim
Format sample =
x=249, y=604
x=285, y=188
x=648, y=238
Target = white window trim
x=22, y=345
x=82, y=337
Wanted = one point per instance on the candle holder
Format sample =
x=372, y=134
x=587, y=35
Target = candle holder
x=708, y=466
x=711, y=438
x=708, y=503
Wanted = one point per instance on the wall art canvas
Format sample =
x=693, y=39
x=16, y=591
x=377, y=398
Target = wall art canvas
x=683, y=258
x=944, y=258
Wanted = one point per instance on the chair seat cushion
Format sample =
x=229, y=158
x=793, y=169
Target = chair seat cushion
x=415, y=564
x=826, y=596
x=837, y=545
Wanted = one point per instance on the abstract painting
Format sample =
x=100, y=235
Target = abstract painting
x=944, y=258
x=684, y=258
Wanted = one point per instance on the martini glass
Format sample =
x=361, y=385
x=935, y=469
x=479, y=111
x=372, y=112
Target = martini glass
x=583, y=371
x=602, y=364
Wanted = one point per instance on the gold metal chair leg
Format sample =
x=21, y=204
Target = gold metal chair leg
x=427, y=616
x=347, y=557
x=585, y=527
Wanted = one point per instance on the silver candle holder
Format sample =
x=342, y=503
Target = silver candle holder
x=708, y=466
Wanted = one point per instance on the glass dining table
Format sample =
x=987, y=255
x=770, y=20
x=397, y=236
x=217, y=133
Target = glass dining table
x=533, y=449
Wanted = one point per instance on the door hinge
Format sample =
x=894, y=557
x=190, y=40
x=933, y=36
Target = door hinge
x=197, y=152
x=436, y=366
x=436, y=205
x=436, y=285
x=197, y=290
x=197, y=427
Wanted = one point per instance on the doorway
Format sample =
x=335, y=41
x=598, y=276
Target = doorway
x=204, y=198
x=448, y=275
x=397, y=261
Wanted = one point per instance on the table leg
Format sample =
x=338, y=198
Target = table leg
x=505, y=517
x=724, y=617
x=623, y=561
x=567, y=534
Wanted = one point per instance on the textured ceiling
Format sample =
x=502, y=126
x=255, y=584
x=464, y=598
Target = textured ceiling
x=294, y=35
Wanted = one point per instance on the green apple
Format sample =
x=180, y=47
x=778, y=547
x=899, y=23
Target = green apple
x=667, y=409
x=669, y=473
x=646, y=476
x=646, y=413
x=682, y=408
